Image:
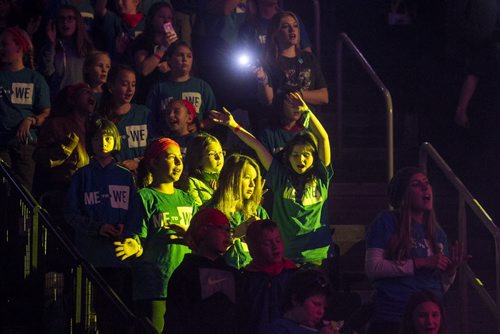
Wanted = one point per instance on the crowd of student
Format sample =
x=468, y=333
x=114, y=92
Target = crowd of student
x=112, y=122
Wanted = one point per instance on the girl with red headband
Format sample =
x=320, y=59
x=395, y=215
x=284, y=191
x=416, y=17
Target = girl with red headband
x=24, y=102
x=177, y=121
x=166, y=214
x=180, y=84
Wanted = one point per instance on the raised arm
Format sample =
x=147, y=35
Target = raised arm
x=316, y=96
x=468, y=89
x=317, y=130
x=225, y=118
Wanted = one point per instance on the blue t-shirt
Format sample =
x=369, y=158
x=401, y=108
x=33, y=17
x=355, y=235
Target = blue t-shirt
x=275, y=139
x=100, y=195
x=393, y=293
x=195, y=90
x=134, y=129
x=23, y=93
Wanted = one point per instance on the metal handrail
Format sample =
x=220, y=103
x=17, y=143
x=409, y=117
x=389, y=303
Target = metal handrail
x=317, y=27
x=466, y=274
x=42, y=218
x=344, y=39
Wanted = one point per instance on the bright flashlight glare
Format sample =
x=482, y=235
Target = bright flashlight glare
x=244, y=60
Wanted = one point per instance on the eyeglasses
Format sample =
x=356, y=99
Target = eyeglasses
x=66, y=18
x=213, y=154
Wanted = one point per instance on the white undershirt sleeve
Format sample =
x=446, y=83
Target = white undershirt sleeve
x=377, y=266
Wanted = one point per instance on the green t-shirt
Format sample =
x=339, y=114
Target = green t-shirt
x=23, y=93
x=163, y=247
x=306, y=237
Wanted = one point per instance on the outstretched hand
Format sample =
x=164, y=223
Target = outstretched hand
x=127, y=248
x=223, y=117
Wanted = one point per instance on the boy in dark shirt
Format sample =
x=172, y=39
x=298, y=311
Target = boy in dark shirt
x=264, y=278
x=202, y=290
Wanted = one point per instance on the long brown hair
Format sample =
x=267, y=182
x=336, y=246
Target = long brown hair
x=400, y=243
x=229, y=190
x=272, y=53
x=106, y=104
x=83, y=43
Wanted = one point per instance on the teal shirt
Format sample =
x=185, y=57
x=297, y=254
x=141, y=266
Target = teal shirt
x=306, y=237
x=134, y=132
x=275, y=139
x=163, y=247
x=23, y=93
x=195, y=90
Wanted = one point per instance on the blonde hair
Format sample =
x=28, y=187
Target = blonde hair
x=229, y=193
x=90, y=61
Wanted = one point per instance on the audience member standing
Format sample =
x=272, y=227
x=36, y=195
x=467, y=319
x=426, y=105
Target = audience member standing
x=132, y=120
x=202, y=291
x=165, y=214
x=150, y=48
x=64, y=53
x=24, y=103
x=407, y=251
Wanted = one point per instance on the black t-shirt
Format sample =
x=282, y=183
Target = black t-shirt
x=299, y=73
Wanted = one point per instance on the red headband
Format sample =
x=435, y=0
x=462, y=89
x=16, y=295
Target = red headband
x=157, y=146
x=20, y=38
x=190, y=107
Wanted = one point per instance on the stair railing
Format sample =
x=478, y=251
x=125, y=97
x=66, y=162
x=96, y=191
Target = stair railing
x=35, y=224
x=342, y=40
x=466, y=275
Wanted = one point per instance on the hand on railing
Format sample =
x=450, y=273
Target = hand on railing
x=127, y=248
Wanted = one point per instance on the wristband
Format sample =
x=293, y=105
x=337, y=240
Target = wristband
x=157, y=56
x=32, y=119
x=237, y=128
x=265, y=81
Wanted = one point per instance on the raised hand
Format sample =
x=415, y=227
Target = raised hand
x=121, y=42
x=295, y=98
x=51, y=32
x=127, y=248
x=223, y=117
x=457, y=256
x=260, y=74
